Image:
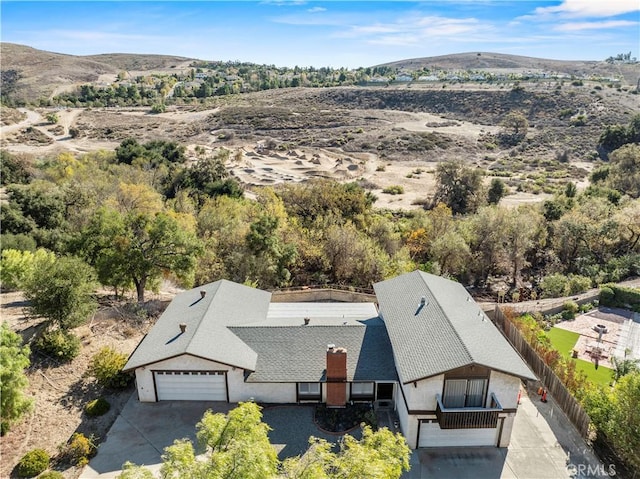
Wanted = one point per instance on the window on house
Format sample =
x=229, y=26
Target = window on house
x=362, y=389
x=309, y=389
x=464, y=393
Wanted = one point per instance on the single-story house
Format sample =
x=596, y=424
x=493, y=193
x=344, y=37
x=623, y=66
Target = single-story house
x=425, y=349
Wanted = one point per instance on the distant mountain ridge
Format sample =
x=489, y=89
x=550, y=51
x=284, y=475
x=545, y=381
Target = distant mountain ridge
x=30, y=74
x=502, y=61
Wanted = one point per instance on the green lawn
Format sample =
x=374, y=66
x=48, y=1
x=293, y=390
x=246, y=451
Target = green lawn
x=564, y=341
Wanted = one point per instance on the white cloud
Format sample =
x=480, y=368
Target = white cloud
x=590, y=8
x=317, y=10
x=416, y=29
x=580, y=26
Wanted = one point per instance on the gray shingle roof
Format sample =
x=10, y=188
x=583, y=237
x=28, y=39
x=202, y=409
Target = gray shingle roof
x=207, y=336
x=298, y=353
x=446, y=333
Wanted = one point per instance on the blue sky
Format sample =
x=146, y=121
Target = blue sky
x=327, y=33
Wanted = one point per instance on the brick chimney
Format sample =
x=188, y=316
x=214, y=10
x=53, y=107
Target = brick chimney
x=336, y=376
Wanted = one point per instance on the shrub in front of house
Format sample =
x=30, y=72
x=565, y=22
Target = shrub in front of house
x=33, y=463
x=79, y=449
x=97, y=407
x=106, y=366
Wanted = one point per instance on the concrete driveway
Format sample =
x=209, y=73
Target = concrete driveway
x=544, y=445
x=143, y=430
x=543, y=442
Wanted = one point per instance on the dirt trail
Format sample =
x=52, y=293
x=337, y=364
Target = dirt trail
x=31, y=119
x=434, y=123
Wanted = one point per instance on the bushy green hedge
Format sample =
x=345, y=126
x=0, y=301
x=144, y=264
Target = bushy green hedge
x=97, y=407
x=569, y=310
x=620, y=296
x=59, y=344
x=33, y=463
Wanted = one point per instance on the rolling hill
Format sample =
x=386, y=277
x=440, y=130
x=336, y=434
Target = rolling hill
x=40, y=74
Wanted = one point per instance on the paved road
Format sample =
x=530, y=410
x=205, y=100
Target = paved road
x=551, y=303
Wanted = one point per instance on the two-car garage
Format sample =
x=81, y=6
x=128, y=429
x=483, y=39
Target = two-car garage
x=190, y=385
x=431, y=435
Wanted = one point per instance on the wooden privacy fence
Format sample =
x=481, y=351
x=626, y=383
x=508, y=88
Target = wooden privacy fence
x=560, y=393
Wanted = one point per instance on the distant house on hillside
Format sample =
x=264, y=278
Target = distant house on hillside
x=426, y=351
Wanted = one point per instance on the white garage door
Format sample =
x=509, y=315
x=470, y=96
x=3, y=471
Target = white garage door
x=191, y=385
x=432, y=436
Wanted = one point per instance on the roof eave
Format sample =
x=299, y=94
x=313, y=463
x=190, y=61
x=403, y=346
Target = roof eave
x=133, y=368
x=492, y=368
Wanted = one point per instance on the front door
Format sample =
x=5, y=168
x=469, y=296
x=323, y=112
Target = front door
x=384, y=392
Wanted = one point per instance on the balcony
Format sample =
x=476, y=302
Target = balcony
x=468, y=417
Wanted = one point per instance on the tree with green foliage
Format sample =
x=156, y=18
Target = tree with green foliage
x=52, y=118
x=139, y=246
x=485, y=234
x=17, y=267
x=523, y=232
x=208, y=178
x=624, y=366
x=14, y=359
x=624, y=423
x=39, y=205
x=318, y=201
x=352, y=257
x=14, y=168
x=615, y=413
x=515, y=127
x=378, y=455
x=616, y=136
x=154, y=153
x=270, y=259
x=497, y=191
x=624, y=170
x=237, y=446
x=62, y=291
x=458, y=186
x=96, y=245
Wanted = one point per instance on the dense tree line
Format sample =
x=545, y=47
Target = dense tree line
x=314, y=233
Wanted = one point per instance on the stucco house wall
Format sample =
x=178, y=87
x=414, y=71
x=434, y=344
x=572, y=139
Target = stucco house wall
x=421, y=395
x=237, y=389
x=505, y=387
